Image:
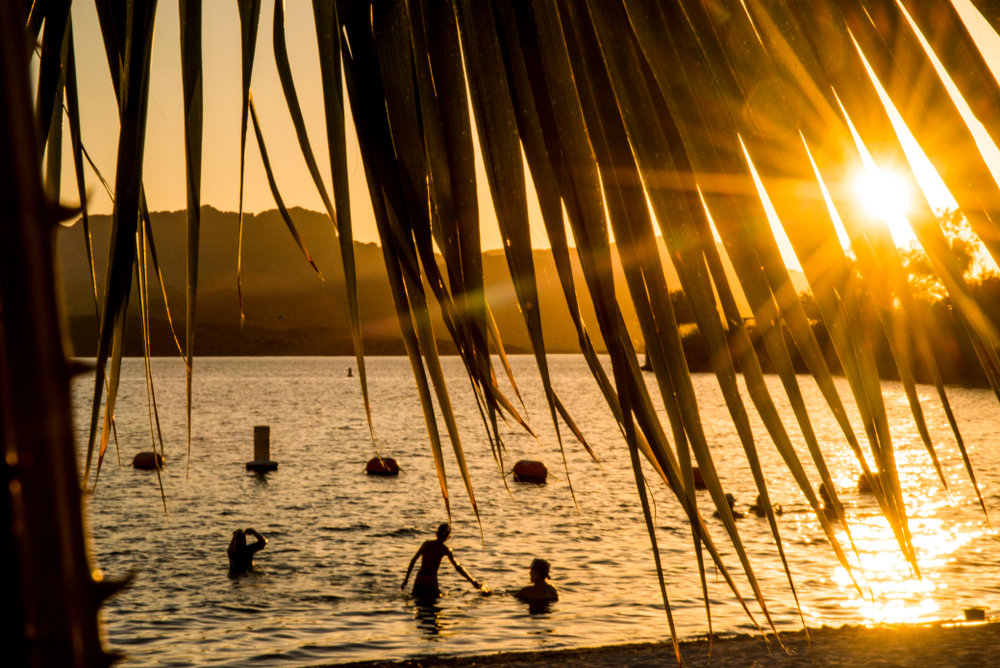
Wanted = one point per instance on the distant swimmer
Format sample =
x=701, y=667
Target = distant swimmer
x=241, y=554
x=539, y=590
x=760, y=510
x=731, y=500
x=425, y=584
x=828, y=508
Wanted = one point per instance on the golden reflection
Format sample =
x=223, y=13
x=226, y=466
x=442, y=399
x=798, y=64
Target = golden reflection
x=899, y=596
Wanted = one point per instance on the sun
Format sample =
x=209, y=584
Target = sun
x=883, y=194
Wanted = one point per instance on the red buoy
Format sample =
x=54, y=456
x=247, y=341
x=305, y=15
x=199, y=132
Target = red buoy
x=384, y=466
x=699, y=480
x=865, y=484
x=530, y=471
x=148, y=460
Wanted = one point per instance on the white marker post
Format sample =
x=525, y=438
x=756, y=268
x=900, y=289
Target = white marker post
x=262, y=450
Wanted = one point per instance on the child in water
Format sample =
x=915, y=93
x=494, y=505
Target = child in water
x=539, y=590
x=425, y=585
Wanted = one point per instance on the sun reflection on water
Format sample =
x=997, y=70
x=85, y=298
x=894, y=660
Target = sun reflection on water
x=892, y=592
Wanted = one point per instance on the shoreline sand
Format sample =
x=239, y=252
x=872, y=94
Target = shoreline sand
x=943, y=644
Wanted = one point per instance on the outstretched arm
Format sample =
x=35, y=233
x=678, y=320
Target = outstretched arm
x=465, y=573
x=410, y=567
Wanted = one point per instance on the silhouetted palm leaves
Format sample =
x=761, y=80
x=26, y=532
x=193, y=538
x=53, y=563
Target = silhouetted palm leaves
x=634, y=117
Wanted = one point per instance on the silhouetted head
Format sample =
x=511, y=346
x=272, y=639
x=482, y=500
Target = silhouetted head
x=731, y=500
x=241, y=537
x=824, y=494
x=541, y=567
x=443, y=532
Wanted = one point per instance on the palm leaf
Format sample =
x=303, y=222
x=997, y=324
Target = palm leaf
x=714, y=158
x=906, y=71
x=445, y=126
x=497, y=125
x=142, y=274
x=547, y=189
x=112, y=17
x=294, y=110
x=249, y=20
x=128, y=185
x=56, y=592
x=191, y=75
x=328, y=37
x=502, y=354
x=73, y=113
x=775, y=153
x=282, y=209
x=48, y=100
x=384, y=178
x=394, y=62
x=667, y=196
x=397, y=284
x=147, y=230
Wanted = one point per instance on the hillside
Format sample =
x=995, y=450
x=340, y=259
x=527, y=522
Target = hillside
x=288, y=309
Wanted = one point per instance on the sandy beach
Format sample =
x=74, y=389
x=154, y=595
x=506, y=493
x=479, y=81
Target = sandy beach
x=938, y=645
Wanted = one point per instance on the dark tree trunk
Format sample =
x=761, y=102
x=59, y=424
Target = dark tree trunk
x=48, y=594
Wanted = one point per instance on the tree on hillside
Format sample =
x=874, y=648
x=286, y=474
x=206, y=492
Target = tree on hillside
x=969, y=252
x=631, y=115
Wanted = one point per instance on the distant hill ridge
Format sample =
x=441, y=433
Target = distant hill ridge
x=288, y=309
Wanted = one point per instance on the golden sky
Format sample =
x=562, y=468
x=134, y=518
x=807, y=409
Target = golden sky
x=164, y=161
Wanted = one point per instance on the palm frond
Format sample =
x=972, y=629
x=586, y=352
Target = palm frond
x=683, y=119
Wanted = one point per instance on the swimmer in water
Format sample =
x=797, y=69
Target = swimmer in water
x=760, y=510
x=828, y=508
x=539, y=590
x=425, y=584
x=731, y=500
x=241, y=554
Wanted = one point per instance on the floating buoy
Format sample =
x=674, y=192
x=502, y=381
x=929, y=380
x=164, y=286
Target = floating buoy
x=148, y=460
x=383, y=466
x=864, y=484
x=527, y=470
x=262, y=451
x=975, y=614
x=699, y=481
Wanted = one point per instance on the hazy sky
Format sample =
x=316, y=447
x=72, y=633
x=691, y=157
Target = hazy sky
x=164, y=160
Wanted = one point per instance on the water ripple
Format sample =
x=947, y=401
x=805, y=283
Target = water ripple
x=326, y=589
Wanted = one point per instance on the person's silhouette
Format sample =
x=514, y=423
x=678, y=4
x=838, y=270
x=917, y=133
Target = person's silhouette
x=425, y=584
x=539, y=590
x=241, y=554
x=731, y=500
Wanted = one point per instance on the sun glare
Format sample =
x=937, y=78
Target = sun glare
x=883, y=194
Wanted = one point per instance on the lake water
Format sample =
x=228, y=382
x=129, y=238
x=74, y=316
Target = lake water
x=327, y=588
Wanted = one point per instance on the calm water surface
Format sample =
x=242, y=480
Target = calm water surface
x=326, y=589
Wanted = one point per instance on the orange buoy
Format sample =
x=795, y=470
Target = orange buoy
x=699, y=481
x=384, y=466
x=527, y=470
x=865, y=484
x=148, y=460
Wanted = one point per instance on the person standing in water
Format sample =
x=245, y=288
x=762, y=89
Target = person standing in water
x=539, y=590
x=241, y=554
x=425, y=584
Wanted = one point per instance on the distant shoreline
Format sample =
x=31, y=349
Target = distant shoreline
x=447, y=349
